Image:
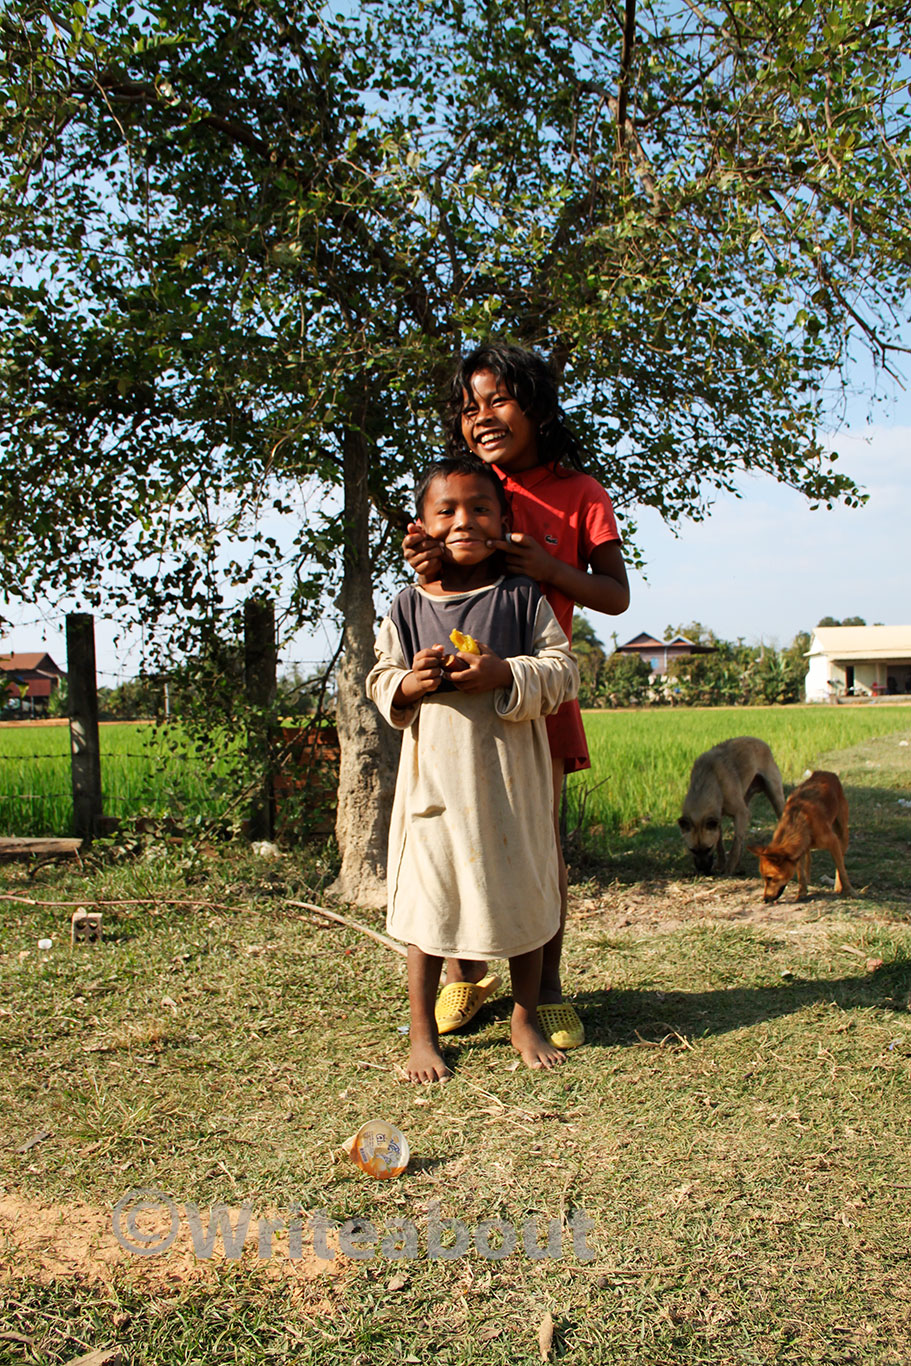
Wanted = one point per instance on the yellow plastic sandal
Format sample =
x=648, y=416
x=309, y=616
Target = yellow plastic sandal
x=460, y=1002
x=561, y=1025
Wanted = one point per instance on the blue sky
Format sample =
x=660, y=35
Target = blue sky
x=765, y=567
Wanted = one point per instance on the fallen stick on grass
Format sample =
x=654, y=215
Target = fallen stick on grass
x=93, y=901
x=352, y=925
x=212, y=906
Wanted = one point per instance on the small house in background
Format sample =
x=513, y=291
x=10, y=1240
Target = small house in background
x=858, y=661
x=27, y=684
x=658, y=653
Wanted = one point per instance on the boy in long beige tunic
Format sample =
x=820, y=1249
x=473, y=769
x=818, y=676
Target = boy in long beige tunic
x=472, y=867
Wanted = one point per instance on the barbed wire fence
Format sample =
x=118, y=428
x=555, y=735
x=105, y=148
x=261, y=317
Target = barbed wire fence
x=230, y=761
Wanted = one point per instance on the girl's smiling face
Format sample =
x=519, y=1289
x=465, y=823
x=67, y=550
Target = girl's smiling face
x=494, y=426
x=463, y=513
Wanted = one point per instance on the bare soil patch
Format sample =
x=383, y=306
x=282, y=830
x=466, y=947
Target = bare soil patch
x=50, y=1242
x=662, y=906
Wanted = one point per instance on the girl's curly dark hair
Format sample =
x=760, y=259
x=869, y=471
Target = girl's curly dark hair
x=532, y=383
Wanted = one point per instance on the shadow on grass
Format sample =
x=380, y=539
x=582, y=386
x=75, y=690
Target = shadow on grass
x=630, y=1016
x=654, y=854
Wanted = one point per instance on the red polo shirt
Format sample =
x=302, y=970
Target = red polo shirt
x=569, y=514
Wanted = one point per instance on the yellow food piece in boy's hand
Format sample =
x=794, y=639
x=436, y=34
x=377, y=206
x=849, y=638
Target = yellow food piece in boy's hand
x=467, y=644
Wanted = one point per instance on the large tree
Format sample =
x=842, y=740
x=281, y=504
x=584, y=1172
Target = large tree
x=250, y=235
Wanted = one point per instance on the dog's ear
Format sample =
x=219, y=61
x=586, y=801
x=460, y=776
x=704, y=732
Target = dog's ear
x=757, y=849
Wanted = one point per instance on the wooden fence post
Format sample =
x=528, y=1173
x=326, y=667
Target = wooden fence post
x=260, y=663
x=83, y=708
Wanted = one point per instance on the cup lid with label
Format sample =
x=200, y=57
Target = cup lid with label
x=379, y=1149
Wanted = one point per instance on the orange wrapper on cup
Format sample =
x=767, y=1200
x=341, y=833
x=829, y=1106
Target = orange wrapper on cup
x=379, y=1149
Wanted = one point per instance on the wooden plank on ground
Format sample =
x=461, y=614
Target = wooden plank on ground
x=16, y=847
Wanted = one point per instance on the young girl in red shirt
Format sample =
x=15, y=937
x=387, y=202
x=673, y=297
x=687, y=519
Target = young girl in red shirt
x=503, y=407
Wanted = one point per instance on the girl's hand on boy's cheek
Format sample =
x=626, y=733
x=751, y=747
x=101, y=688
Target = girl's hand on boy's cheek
x=481, y=673
x=422, y=554
x=525, y=556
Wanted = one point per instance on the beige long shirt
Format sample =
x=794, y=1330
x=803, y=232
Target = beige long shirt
x=472, y=870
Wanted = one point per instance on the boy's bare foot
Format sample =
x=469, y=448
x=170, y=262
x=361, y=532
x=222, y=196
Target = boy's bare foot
x=464, y=970
x=425, y=1063
x=533, y=1048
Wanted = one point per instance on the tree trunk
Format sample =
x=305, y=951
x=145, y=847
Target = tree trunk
x=369, y=748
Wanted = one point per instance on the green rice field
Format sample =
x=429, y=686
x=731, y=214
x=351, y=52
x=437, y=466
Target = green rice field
x=146, y=770
x=641, y=760
x=640, y=765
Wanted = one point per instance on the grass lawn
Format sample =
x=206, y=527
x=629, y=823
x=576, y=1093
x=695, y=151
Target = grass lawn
x=734, y=1136
x=641, y=760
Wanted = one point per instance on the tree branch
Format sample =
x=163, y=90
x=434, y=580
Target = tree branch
x=626, y=58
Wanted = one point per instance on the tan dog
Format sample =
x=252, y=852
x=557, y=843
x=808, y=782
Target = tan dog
x=722, y=783
x=815, y=817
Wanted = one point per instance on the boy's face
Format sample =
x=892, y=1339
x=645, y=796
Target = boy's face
x=463, y=512
x=494, y=426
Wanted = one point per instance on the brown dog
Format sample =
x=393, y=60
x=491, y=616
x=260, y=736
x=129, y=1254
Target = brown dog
x=723, y=782
x=815, y=817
